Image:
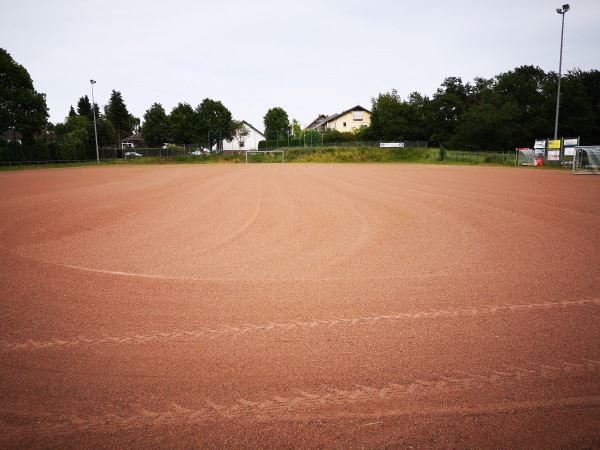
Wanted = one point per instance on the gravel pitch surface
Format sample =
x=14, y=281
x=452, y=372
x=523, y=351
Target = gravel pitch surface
x=277, y=306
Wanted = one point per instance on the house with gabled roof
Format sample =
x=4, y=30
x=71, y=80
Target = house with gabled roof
x=248, y=142
x=318, y=123
x=349, y=120
x=133, y=141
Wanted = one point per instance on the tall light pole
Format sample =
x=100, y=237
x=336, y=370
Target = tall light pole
x=92, y=82
x=562, y=11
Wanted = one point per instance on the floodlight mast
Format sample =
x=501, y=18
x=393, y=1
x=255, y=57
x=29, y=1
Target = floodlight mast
x=92, y=82
x=562, y=11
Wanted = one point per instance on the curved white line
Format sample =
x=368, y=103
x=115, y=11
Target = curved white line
x=128, y=274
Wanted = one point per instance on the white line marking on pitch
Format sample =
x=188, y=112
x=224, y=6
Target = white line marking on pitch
x=128, y=274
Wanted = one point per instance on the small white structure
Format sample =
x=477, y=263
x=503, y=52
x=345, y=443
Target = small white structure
x=248, y=142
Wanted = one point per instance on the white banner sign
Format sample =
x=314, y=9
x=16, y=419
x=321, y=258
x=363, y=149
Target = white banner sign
x=391, y=144
x=540, y=144
x=553, y=155
x=570, y=142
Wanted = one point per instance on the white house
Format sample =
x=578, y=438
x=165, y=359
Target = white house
x=249, y=142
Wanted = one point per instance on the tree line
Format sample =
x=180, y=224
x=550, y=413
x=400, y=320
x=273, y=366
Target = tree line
x=507, y=111
x=207, y=125
x=510, y=110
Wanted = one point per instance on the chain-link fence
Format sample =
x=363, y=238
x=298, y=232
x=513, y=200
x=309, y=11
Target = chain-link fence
x=319, y=142
x=503, y=157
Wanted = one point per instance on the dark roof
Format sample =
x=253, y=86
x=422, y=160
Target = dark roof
x=12, y=134
x=133, y=137
x=320, y=118
x=356, y=108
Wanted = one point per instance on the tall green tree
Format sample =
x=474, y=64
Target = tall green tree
x=21, y=106
x=75, y=138
x=215, y=122
x=529, y=89
x=580, y=106
x=84, y=108
x=417, y=117
x=387, y=121
x=155, y=131
x=480, y=90
x=107, y=135
x=182, y=121
x=447, y=105
x=117, y=114
x=485, y=127
x=277, y=123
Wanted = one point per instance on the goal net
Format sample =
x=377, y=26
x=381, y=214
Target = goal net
x=524, y=157
x=587, y=160
x=265, y=156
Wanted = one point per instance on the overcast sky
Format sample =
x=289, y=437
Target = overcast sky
x=308, y=57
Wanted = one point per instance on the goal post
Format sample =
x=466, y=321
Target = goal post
x=265, y=156
x=587, y=160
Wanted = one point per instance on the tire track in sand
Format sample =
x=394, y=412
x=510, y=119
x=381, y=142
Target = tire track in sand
x=248, y=328
x=389, y=399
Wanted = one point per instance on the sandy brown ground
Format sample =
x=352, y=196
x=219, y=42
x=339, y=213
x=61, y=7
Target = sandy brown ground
x=335, y=306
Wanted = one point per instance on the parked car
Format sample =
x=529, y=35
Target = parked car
x=132, y=155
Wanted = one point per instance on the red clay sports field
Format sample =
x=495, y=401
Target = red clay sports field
x=290, y=305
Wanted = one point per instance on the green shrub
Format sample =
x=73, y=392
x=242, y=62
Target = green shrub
x=443, y=154
x=494, y=158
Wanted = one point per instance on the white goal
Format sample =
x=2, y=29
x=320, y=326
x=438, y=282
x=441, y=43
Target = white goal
x=264, y=156
x=587, y=160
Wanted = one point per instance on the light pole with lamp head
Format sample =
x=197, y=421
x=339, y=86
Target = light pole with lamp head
x=562, y=11
x=92, y=82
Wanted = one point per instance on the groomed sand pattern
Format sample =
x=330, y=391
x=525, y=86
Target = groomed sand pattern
x=299, y=306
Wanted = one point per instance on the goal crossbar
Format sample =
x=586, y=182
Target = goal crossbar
x=266, y=152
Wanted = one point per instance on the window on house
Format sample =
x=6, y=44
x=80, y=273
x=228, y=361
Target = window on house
x=344, y=123
x=357, y=115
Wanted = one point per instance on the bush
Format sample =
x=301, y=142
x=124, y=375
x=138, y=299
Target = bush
x=442, y=154
x=494, y=158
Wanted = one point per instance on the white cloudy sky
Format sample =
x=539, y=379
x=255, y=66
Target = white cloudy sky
x=308, y=57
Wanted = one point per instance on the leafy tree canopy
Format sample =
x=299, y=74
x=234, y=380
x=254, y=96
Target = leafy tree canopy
x=276, y=123
x=387, y=122
x=21, y=107
x=155, y=131
x=84, y=108
x=214, y=120
x=107, y=134
x=507, y=111
x=117, y=114
x=182, y=124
